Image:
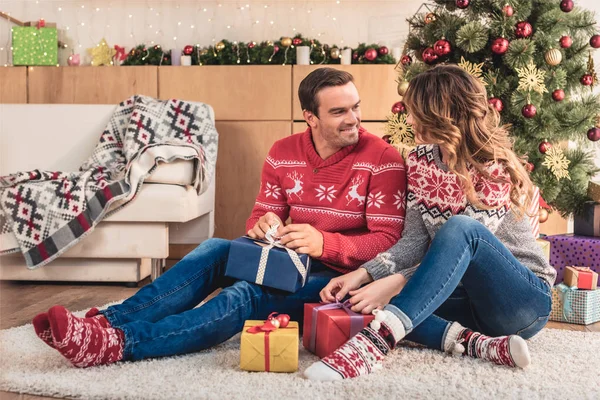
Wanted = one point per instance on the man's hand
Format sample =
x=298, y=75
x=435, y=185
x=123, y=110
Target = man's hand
x=338, y=287
x=302, y=238
x=376, y=294
x=263, y=224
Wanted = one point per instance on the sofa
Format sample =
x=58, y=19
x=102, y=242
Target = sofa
x=130, y=244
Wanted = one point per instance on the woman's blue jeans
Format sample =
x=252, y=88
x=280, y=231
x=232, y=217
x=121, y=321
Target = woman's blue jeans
x=498, y=296
x=160, y=319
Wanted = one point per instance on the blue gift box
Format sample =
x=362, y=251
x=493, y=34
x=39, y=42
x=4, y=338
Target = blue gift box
x=266, y=264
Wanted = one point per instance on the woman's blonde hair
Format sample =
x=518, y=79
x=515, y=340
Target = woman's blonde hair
x=449, y=107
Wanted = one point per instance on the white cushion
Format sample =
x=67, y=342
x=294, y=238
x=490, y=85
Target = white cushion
x=167, y=203
x=178, y=172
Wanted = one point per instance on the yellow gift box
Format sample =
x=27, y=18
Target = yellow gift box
x=545, y=245
x=275, y=351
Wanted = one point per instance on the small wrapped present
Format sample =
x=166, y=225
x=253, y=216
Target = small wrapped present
x=34, y=46
x=267, y=263
x=545, y=245
x=269, y=346
x=593, y=191
x=581, y=278
x=328, y=326
x=575, y=306
x=588, y=223
x=567, y=250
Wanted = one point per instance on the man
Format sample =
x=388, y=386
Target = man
x=344, y=190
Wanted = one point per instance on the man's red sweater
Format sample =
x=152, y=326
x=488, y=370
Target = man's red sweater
x=356, y=198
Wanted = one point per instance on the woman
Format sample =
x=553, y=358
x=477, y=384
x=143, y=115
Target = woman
x=483, y=284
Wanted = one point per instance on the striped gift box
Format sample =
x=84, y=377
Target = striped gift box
x=533, y=210
x=575, y=306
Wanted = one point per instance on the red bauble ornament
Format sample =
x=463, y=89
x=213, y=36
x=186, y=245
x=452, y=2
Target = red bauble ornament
x=371, y=54
x=544, y=147
x=383, y=51
x=406, y=60
x=188, y=50
x=529, y=111
x=508, y=10
x=462, y=3
x=296, y=41
x=399, y=107
x=275, y=49
x=499, y=46
x=283, y=319
x=586, y=80
x=558, y=95
x=523, y=29
x=251, y=45
x=595, y=41
x=567, y=5
x=529, y=167
x=593, y=134
x=565, y=42
x=442, y=47
x=496, y=103
x=355, y=56
x=386, y=138
x=429, y=56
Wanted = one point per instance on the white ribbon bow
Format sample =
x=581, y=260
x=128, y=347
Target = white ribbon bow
x=264, y=256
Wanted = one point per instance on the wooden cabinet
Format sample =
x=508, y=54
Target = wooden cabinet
x=250, y=93
x=13, y=85
x=243, y=147
x=90, y=85
x=376, y=86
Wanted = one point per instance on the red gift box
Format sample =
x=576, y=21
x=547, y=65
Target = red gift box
x=328, y=326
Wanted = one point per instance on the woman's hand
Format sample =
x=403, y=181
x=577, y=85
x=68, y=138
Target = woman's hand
x=376, y=294
x=338, y=287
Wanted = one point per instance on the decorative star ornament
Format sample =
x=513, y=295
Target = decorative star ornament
x=102, y=54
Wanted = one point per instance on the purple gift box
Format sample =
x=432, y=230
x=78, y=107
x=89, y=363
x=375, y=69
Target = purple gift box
x=573, y=251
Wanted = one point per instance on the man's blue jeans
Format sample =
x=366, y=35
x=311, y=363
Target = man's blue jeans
x=498, y=296
x=160, y=319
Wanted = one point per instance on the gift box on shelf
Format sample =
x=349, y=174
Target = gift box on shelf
x=568, y=250
x=267, y=263
x=545, y=245
x=575, y=306
x=263, y=348
x=581, y=278
x=328, y=326
x=588, y=222
x=34, y=46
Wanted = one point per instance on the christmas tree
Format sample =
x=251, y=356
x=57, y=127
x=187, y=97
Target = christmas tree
x=534, y=57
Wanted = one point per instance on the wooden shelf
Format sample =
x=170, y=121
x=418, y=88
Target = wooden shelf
x=90, y=85
x=249, y=93
x=13, y=85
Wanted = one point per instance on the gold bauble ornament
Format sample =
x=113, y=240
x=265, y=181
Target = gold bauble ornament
x=335, y=53
x=402, y=88
x=269, y=43
x=429, y=18
x=286, y=42
x=553, y=57
x=543, y=215
x=203, y=52
x=220, y=46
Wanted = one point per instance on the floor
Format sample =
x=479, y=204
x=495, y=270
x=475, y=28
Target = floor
x=21, y=301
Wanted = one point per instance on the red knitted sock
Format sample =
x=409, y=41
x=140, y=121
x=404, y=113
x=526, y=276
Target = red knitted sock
x=82, y=341
x=41, y=324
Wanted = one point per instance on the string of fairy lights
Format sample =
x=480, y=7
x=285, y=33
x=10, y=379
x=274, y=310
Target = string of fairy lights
x=83, y=23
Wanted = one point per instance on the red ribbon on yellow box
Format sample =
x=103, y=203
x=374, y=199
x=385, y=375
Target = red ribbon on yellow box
x=581, y=277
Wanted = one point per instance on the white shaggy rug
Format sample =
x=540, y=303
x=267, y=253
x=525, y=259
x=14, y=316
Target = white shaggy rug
x=565, y=365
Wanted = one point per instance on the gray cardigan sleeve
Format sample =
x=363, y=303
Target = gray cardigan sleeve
x=406, y=254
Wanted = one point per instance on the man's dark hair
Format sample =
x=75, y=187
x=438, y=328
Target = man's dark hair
x=317, y=80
